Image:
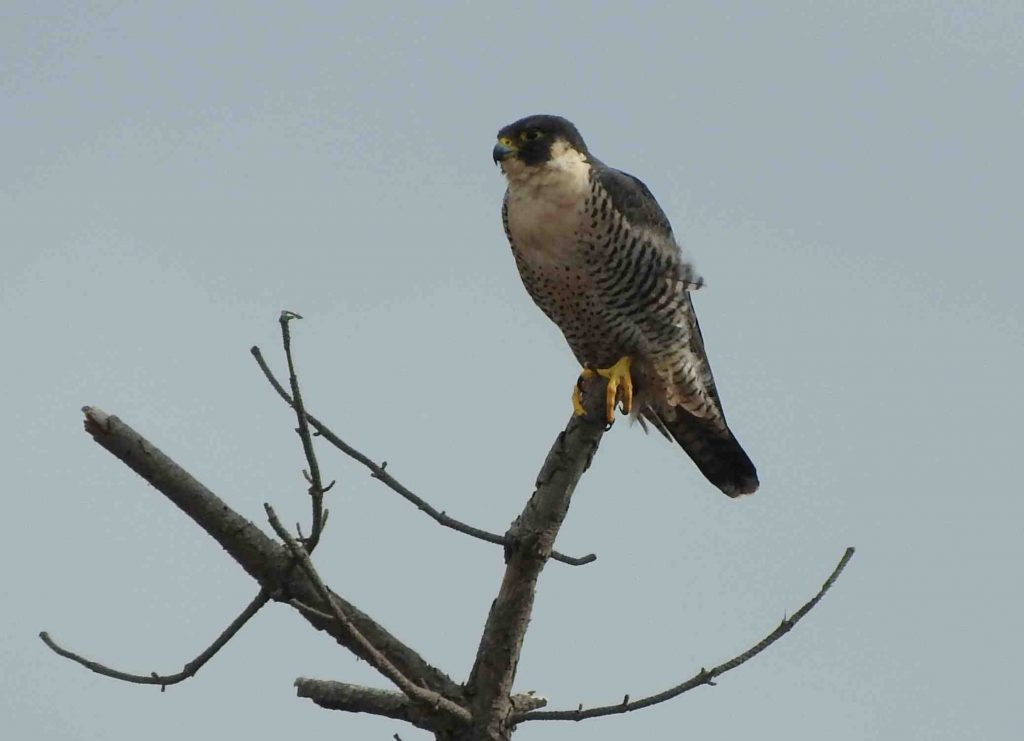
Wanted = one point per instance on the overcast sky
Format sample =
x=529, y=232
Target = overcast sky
x=848, y=179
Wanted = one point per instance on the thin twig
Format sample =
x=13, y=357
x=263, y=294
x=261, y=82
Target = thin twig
x=380, y=473
x=310, y=611
x=316, y=484
x=166, y=680
x=378, y=660
x=704, y=676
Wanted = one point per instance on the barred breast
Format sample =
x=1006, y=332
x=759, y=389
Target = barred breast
x=602, y=282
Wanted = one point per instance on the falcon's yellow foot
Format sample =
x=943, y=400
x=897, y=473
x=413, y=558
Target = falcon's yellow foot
x=620, y=388
x=620, y=383
x=577, y=393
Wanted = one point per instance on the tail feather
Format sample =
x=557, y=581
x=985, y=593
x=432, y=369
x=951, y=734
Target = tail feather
x=713, y=447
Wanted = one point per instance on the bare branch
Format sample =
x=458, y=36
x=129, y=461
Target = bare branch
x=166, y=680
x=379, y=472
x=316, y=484
x=530, y=539
x=244, y=542
x=704, y=676
x=263, y=558
x=354, y=698
x=522, y=702
x=424, y=697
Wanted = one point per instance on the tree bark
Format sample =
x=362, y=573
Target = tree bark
x=530, y=542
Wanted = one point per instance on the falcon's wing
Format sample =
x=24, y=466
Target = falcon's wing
x=634, y=200
x=692, y=411
x=693, y=415
x=660, y=302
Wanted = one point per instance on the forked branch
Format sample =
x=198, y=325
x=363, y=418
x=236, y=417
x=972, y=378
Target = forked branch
x=268, y=562
x=530, y=540
x=379, y=472
x=485, y=708
x=424, y=697
x=316, y=484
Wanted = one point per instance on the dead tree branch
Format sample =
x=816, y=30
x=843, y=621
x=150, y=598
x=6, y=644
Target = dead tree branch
x=704, y=676
x=425, y=698
x=529, y=545
x=265, y=560
x=387, y=703
x=354, y=698
x=316, y=484
x=166, y=680
x=484, y=709
x=379, y=472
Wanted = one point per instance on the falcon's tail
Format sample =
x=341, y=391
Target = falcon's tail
x=714, y=449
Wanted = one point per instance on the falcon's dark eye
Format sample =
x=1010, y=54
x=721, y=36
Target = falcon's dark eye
x=530, y=135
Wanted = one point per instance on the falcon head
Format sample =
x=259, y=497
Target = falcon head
x=537, y=141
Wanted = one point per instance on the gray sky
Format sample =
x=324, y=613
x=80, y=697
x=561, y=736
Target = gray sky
x=849, y=181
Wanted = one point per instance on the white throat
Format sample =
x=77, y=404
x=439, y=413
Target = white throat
x=565, y=176
x=545, y=205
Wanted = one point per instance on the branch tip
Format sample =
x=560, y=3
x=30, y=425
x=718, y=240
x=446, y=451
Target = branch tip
x=164, y=681
x=96, y=419
x=312, y=475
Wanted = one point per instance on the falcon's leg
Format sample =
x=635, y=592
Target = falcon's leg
x=620, y=386
x=619, y=381
x=577, y=392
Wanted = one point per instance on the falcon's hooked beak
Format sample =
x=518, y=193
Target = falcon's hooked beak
x=503, y=150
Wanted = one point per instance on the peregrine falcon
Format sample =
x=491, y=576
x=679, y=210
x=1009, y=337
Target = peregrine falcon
x=597, y=255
